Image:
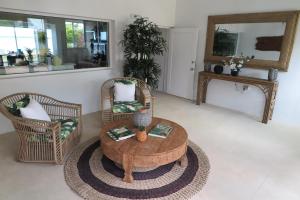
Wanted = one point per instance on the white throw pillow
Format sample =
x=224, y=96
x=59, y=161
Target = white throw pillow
x=124, y=92
x=34, y=110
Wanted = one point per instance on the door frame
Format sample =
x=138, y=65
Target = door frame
x=170, y=57
x=165, y=70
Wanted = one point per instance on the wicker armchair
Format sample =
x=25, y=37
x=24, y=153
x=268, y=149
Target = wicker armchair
x=40, y=141
x=142, y=94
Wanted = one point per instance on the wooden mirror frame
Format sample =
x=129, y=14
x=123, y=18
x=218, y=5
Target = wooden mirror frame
x=291, y=19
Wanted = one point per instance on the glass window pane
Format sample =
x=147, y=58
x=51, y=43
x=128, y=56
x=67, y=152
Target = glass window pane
x=56, y=43
x=69, y=35
x=79, y=34
x=37, y=24
x=7, y=40
x=91, y=31
x=26, y=40
x=103, y=45
x=50, y=40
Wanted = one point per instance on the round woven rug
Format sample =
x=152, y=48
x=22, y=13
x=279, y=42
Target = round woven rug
x=93, y=176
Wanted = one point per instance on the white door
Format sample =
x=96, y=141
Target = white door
x=182, y=62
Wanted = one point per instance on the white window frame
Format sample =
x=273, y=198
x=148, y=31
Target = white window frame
x=111, y=40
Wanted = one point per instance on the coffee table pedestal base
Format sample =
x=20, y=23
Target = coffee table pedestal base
x=128, y=166
x=183, y=161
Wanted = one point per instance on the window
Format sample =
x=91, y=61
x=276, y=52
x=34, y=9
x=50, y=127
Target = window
x=7, y=37
x=75, y=34
x=13, y=36
x=53, y=43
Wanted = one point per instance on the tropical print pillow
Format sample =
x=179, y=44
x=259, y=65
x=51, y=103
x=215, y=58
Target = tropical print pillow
x=15, y=107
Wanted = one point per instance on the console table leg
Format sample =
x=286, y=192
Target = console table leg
x=202, y=89
x=266, y=110
x=270, y=103
x=273, y=100
x=127, y=166
x=199, y=91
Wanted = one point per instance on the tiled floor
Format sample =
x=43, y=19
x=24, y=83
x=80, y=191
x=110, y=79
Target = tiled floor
x=249, y=160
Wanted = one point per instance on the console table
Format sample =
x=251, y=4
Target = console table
x=269, y=88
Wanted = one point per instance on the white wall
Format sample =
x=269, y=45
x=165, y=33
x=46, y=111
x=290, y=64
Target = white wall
x=83, y=87
x=194, y=13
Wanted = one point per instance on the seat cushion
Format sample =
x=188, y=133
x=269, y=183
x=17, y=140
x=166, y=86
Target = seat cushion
x=67, y=127
x=15, y=107
x=126, y=107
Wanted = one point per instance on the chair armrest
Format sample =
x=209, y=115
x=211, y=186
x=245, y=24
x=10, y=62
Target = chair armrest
x=34, y=123
x=38, y=130
x=66, y=110
x=61, y=103
x=146, y=97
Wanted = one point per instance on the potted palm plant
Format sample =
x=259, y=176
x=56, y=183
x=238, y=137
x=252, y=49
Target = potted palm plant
x=142, y=40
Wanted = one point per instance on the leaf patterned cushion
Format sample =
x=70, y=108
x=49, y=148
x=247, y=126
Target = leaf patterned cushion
x=67, y=127
x=126, y=82
x=126, y=107
x=15, y=107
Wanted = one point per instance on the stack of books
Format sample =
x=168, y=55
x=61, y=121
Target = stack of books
x=161, y=131
x=122, y=133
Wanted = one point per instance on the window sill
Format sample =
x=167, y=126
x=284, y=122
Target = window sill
x=49, y=73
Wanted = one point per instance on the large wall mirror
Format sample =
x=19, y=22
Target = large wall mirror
x=266, y=37
x=35, y=43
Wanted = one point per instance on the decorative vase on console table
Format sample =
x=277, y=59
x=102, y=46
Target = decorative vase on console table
x=218, y=69
x=207, y=67
x=234, y=72
x=273, y=73
x=236, y=64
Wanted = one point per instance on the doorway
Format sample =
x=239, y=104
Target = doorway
x=178, y=64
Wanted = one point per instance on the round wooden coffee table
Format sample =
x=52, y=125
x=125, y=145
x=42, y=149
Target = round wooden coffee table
x=154, y=152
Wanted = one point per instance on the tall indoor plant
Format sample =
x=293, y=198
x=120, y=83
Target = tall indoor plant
x=142, y=40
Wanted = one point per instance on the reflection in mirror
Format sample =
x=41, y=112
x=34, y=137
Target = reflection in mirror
x=32, y=43
x=259, y=40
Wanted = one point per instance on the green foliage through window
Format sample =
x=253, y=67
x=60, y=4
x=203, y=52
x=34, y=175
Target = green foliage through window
x=75, y=34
